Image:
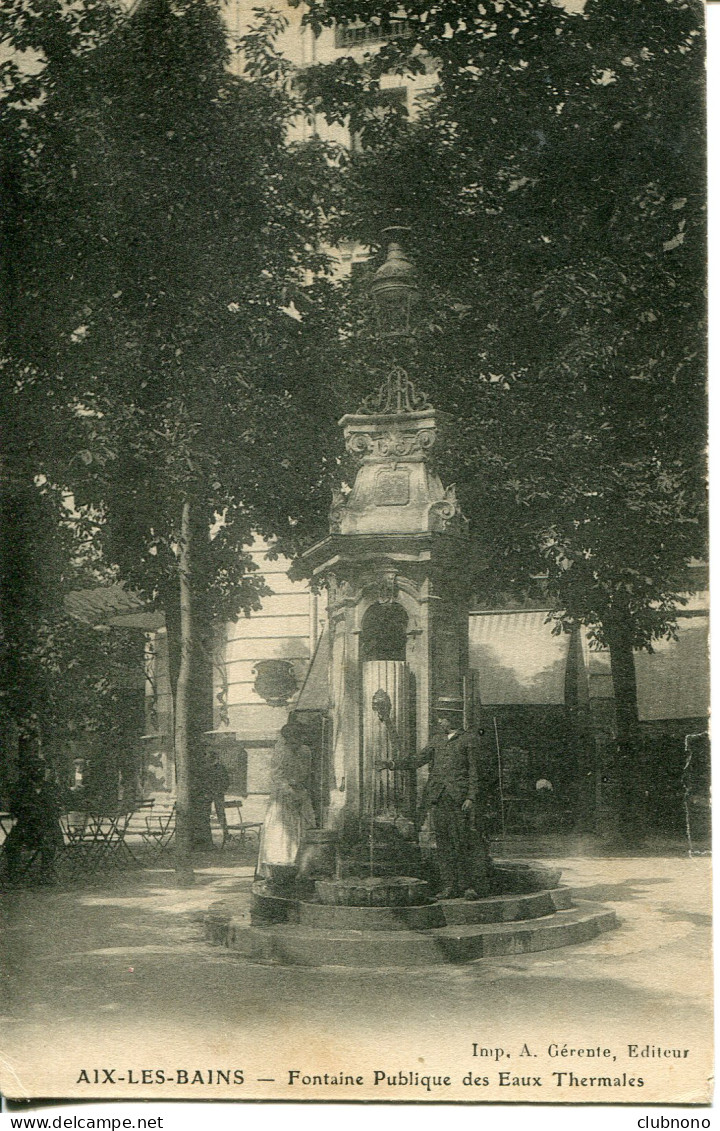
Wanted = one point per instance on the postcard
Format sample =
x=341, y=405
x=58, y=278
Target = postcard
x=355, y=570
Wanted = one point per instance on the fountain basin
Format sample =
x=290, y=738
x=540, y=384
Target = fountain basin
x=373, y=891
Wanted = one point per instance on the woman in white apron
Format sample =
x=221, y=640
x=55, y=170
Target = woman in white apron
x=289, y=810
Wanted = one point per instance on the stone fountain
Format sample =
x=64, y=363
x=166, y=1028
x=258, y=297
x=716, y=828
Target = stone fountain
x=394, y=566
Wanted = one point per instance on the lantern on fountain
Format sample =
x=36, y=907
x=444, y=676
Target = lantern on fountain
x=394, y=288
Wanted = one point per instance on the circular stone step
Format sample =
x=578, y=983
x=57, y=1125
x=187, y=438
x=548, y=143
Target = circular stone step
x=268, y=908
x=498, y=908
x=297, y=944
x=518, y=877
x=370, y=918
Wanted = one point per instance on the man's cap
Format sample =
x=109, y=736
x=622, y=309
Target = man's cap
x=294, y=725
x=449, y=704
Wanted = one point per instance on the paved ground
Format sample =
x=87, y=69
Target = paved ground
x=119, y=976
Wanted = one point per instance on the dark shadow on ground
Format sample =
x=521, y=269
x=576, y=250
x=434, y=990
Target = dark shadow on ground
x=67, y=878
x=626, y=890
x=678, y=915
x=588, y=845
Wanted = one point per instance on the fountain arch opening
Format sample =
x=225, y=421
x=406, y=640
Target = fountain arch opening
x=383, y=633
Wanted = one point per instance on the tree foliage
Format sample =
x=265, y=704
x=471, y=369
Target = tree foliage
x=554, y=187
x=165, y=225
x=162, y=225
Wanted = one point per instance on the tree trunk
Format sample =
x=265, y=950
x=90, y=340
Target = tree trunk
x=201, y=716
x=629, y=800
x=171, y=606
x=577, y=706
x=183, y=834
x=197, y=693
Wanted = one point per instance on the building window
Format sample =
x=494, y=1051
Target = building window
x=358, y=35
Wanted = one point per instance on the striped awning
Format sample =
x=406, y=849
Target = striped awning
x=673, y=681
x=113, y=605
x=517, y=658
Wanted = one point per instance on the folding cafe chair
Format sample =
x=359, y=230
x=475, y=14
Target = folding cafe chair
x=160, y=832
x=83, y=836
x=135, y=830
x=237, y=829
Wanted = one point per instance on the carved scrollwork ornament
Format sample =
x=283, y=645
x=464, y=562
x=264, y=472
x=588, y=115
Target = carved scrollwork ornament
x=445, y=510
x=397, y=444
x=406, y=443
x=359, y=443
x=387, y=587
x=397, y=394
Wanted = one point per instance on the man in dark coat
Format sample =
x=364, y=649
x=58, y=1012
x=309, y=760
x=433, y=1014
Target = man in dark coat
x=217, y=784
x=453, y=794
x=34, y=805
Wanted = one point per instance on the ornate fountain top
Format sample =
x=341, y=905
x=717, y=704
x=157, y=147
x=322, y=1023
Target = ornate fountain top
x=397, y=395
x=396, y=491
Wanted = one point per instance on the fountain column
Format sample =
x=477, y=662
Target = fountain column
x=394, y=567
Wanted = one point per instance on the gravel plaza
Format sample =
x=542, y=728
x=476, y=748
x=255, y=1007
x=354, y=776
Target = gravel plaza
x=119, y=978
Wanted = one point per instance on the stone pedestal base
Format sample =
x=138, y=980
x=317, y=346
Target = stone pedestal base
x=308, y=932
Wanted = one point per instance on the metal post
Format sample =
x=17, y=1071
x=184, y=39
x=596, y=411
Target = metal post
x=372, y=821
x=468, y=701
x=500, y=777
x=324, y=752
